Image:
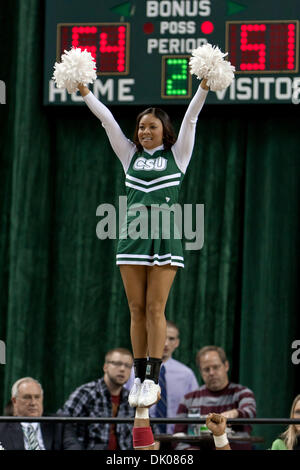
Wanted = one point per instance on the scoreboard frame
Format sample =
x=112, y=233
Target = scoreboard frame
x=137, y=72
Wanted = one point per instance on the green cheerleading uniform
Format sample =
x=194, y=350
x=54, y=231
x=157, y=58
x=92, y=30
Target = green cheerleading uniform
x=150, y=234
x=153, y=180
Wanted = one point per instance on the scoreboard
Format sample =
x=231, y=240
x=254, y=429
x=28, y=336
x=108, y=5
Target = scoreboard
x=142, y=48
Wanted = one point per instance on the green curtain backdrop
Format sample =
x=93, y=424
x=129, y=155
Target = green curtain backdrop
x=61, y=297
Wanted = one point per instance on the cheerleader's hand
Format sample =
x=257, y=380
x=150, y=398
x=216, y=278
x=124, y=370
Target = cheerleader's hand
x=204, y=84
x=83, y=89
x=216, y=423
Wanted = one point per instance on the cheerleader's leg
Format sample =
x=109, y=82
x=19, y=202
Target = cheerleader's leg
x=135, y=283
x=159, y=282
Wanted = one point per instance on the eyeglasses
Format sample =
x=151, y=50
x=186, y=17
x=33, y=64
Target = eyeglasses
x=120, y=364
x=215, y=368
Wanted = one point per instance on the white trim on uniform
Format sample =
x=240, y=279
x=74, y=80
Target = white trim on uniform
x=168, y=255
x=156, y=180
x=149, y=190
x=153, y=263
x=159, y=260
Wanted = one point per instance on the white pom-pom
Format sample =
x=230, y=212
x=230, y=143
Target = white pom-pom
x=76, y=67
x=208, y=62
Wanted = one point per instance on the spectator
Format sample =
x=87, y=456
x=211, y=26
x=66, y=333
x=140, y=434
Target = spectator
x=27, y=400
x=217, y=395
x=105, y=397
x=290, y=439
x=179, y=380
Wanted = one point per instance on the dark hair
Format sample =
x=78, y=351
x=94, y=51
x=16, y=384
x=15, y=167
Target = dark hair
x=171, y=324
x=169, y=136
x=123, y=351
x=206, y=349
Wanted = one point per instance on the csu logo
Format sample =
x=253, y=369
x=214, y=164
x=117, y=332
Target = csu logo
x=157, y=164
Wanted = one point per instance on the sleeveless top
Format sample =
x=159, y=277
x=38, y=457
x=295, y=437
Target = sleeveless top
x=153, y=179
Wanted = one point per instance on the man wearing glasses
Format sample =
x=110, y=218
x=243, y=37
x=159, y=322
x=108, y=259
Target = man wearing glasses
x=217, y=395
x=105, y=397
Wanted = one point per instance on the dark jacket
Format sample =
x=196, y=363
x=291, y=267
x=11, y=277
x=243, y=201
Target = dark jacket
x=56, y=436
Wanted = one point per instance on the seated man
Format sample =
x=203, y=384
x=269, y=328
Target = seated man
x=27, y=400
x=178, y=380
x=217, y=395
x=105, y=397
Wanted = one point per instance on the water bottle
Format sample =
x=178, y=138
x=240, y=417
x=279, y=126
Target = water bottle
x=203, y=427
x=194, y=428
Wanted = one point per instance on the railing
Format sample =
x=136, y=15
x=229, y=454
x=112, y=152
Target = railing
x=68, y=419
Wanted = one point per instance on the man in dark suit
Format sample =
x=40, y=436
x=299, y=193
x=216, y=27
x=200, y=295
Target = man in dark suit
x=27, y=400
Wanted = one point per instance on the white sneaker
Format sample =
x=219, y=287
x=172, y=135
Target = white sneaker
x=149, y=394
x=135, y=392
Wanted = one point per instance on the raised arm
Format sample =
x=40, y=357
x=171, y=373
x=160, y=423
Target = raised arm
x=183, y=148
x=123, y=147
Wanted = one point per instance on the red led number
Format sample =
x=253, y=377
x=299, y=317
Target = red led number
x=263, y=47
x=118, y=49
x=106, y=43
x=258, y=48
x=82, y=36
x=291, y=47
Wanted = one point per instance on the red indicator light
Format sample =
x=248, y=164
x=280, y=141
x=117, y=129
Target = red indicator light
x=207, y=27
x=148, y=28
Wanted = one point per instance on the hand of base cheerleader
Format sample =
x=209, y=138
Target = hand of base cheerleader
x=216, y=423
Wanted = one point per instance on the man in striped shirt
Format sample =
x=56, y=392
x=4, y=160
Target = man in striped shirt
x=218, y=394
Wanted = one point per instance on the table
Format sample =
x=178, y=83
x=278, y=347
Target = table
x=205, y=440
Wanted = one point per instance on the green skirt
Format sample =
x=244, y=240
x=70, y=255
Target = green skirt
x=150, y=237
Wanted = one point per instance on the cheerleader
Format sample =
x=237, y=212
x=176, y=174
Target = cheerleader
x=154, y=163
